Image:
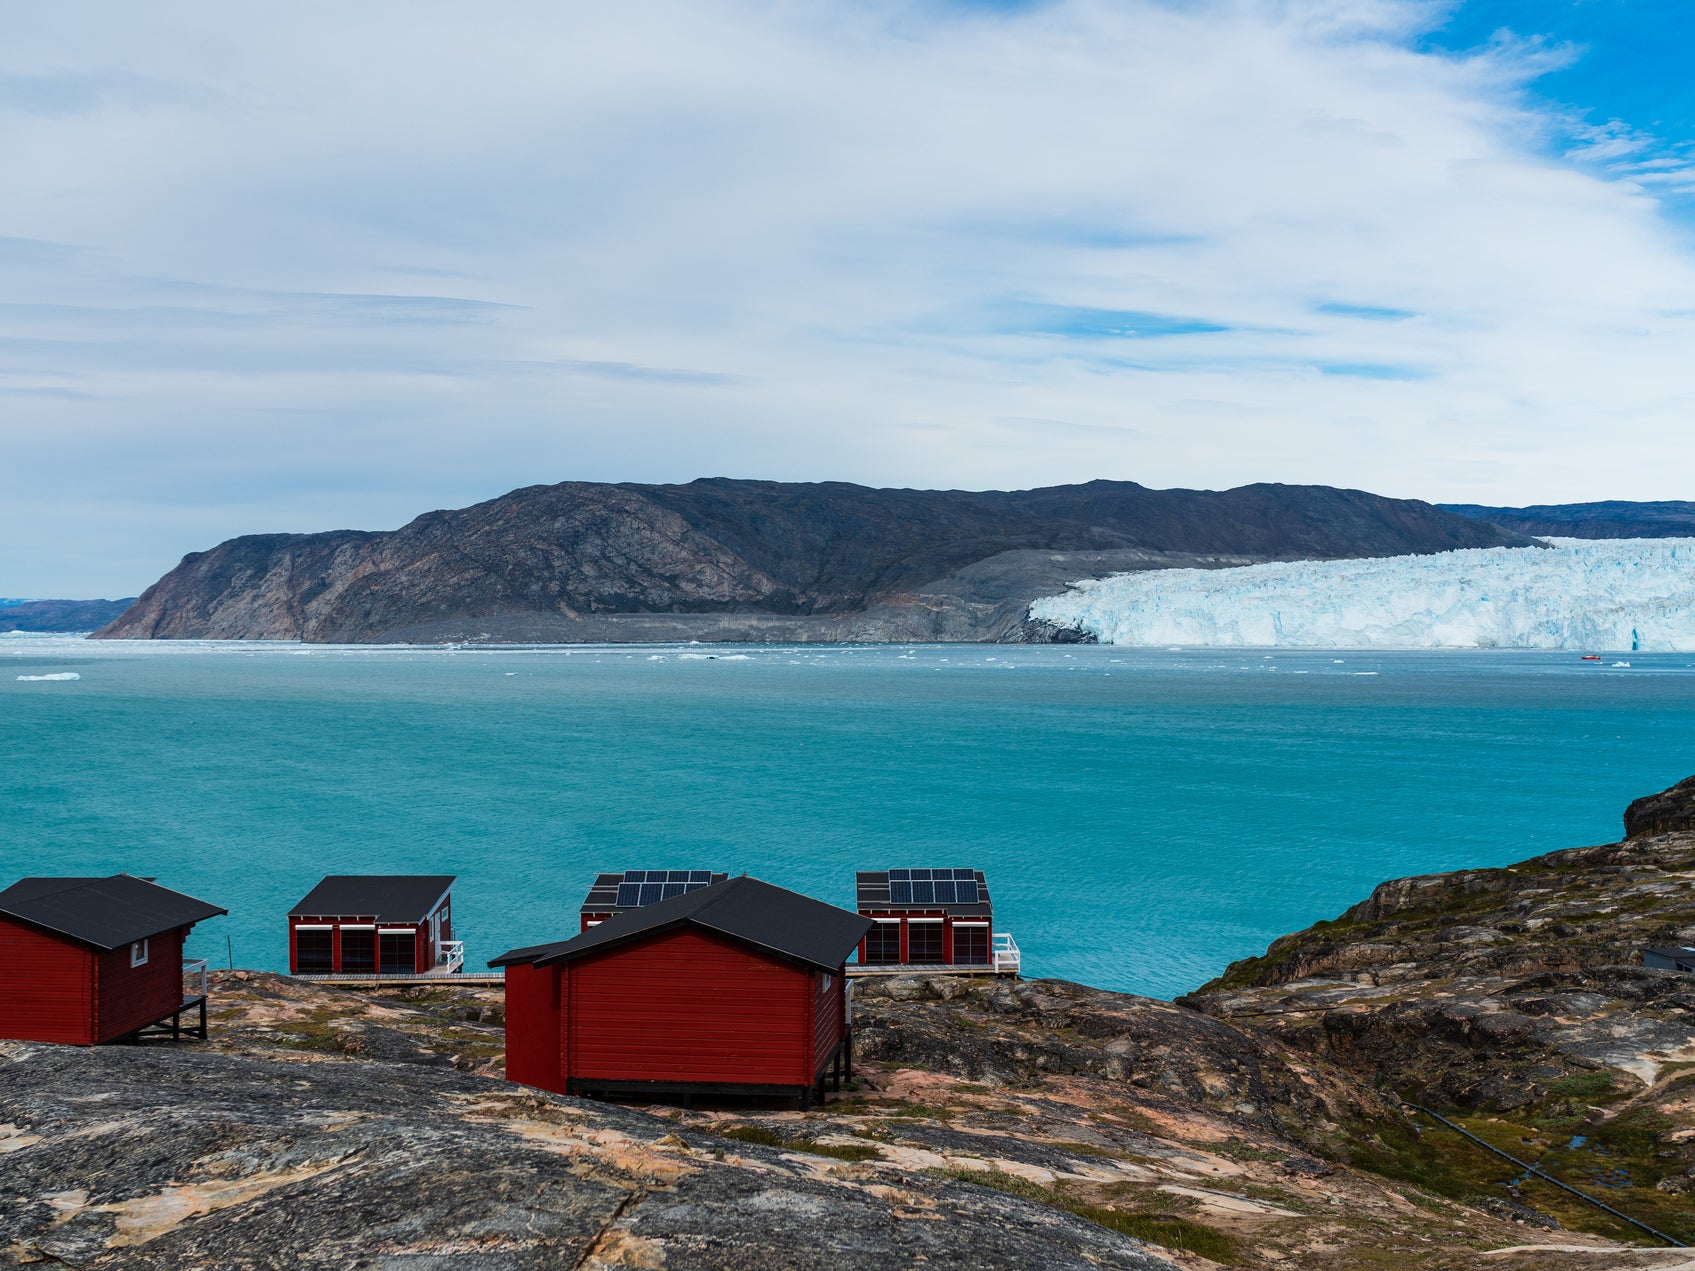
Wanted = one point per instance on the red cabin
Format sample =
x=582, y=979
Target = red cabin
x=375, y=925
x=91, y=960
x=936, y=919
x=734, y=988
x=614, y=893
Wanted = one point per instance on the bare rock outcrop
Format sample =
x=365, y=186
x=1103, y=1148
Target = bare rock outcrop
x=1669, y=811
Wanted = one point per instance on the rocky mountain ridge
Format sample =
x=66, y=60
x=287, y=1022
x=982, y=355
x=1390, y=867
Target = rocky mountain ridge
x=61, y=615
x=756, y=560
x=1617, y=518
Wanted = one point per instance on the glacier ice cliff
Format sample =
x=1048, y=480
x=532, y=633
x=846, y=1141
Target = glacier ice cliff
x=1614, y=594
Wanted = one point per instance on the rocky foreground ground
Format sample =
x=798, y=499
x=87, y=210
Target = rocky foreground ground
x=996, y=1124
x=1016, y=1125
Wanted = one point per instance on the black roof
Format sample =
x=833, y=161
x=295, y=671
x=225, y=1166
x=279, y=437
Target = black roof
x=603, y=896
x=1684, y=952
x=382, y=897
x=871, y=889
x=744, y=909
x=107, y=913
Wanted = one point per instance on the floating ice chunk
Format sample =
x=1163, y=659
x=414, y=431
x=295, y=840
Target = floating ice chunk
x=1622, y=594
x=56, y=675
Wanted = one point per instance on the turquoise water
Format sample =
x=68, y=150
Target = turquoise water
x=1143, y=817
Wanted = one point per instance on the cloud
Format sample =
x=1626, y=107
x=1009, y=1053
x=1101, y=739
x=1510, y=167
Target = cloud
x=358, y=261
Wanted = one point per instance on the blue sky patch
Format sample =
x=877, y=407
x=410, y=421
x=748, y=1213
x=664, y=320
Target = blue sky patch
x=1372, y=371
x=1077, y=322
x=1371, y=313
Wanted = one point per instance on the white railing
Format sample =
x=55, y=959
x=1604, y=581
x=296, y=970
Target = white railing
x=450, y=956
x=193, y=971
x=1006, y=955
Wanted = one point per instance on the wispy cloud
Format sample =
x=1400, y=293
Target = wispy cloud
x=355, y=261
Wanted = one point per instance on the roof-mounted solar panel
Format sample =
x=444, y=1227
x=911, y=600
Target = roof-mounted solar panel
x=934, y=887
x=645, y=886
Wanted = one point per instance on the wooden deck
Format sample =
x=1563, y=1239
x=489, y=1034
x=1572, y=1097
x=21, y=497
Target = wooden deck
x=855, y=971
x=360, y=980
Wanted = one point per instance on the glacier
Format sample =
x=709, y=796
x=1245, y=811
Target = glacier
x=1611, y=594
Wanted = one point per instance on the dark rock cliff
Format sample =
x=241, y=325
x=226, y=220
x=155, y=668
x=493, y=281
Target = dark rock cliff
x=752, y=560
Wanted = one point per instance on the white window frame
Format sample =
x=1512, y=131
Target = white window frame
x=138, y=952
x=828, y=981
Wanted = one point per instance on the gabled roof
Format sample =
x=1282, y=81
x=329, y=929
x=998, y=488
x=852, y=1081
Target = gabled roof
x=407, y=898
x=744, y=909
x=106, y=913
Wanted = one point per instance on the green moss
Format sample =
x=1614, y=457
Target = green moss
x=1012, y=1184
x=1177, y=1234
x=1165, y=1230
x=754, y=1134
x=770, y=1138
x=1582, y=1085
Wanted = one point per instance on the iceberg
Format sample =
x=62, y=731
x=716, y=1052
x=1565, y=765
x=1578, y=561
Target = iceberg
x=57, y=675
x=1616, y=594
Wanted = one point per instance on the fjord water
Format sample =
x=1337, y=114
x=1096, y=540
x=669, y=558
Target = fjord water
x=1144, y=817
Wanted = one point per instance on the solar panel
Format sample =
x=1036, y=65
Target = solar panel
x=644, y=886
x=934, y=887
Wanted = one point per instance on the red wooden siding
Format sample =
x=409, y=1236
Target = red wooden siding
x=46, y=987
x=127, y=998
x=950, y=955
x=534, y=1027
x=685, y=1006
x=829, y=1016
x=423, y=947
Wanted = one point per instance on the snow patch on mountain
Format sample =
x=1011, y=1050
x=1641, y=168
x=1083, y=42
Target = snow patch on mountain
x=1614, y=594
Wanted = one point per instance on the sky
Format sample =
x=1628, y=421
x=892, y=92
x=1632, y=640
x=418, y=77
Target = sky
x=311, y=266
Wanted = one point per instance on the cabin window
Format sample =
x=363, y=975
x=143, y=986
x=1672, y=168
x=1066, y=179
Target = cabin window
x=138, y=953
x=825, y=980
x=924, y=941
x=313, y=950
x=882, y=942
x=397, y=952
x=359, y=950
x=971, y=944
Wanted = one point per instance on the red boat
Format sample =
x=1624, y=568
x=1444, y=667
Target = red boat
x=1590, y=657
